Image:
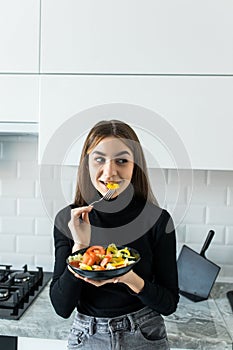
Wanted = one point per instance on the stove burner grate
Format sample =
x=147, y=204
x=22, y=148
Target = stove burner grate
x=4, y=294
x=18, y=289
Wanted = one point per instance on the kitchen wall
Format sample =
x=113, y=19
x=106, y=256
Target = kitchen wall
x=26, y=223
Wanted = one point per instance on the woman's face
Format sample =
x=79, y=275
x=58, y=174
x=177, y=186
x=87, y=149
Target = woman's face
x=111, y=161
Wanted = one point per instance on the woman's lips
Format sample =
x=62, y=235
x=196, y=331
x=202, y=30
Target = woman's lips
x=105, y=183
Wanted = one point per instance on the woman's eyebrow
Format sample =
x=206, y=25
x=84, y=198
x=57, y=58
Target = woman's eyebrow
x=99, y=153
x=122, y=153
x=116, y=155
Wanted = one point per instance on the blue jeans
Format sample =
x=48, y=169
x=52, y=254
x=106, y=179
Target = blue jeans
x=140, y=330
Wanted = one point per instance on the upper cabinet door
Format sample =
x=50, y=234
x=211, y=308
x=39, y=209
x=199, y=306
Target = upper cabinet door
x=19, y=98
x=19, y=36
x=134, y=36
x=183, y=122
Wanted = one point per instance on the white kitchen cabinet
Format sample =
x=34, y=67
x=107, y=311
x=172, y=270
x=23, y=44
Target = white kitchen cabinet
x=19, y=36
x=19, y=98
x=134, y=36
x=177, y=117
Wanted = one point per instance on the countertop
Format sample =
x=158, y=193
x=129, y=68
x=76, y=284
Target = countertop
x=204, y=325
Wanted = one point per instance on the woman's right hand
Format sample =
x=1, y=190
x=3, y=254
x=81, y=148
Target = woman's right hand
x=80, y=227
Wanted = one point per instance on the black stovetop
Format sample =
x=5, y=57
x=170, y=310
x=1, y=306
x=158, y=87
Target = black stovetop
x=19, y=288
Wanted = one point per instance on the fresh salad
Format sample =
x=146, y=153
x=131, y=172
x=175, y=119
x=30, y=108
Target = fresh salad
x=98, y=258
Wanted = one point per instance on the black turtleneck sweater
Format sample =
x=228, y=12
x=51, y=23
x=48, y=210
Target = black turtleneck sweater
x=139, y=225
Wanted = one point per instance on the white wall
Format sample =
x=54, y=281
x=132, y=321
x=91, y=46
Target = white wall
x=26, y=229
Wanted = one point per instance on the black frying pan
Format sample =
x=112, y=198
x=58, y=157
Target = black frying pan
x=196, y=273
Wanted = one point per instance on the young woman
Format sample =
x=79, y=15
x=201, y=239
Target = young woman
x=123, y=312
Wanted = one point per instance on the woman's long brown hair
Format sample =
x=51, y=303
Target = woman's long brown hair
x=123, y=131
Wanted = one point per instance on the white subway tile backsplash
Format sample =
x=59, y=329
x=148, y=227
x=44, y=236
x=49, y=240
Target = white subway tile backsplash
x=187, y=177
x=7, y=206
x=44, y=227
x=33, y=244
x=229, y=235
x=181, y=233
x=194, y=214
x=17, y=188
x=67, y=190
x=19, y=150
x=47, y=261
x=17, y=259
x=58, y=205
x=28, y=170
x=222, y=255
x=158, y=177
x=9, y=138
x=160, y=196
x=174, y=195
x=208, y=195
x=220, y=178
x=26, y=218
x=220, y=215
x=198, y=233
x=7, y=243
x=55, y=190
x=17, y=225
x=65, y=172
x=169, y=194
x=45, y=172
x=1, y=149
x=73, y=191
x=30, y=138
x=33, y=207
x=179, y=245
x=8, y=169
x=226, y=272
x=230, y=196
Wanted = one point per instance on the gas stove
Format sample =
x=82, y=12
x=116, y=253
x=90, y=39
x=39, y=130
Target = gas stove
x=19, y=288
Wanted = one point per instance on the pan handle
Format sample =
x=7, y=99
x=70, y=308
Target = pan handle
x=207, y=243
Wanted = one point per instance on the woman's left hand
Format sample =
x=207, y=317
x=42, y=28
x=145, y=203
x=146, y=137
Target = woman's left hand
x=131, y=279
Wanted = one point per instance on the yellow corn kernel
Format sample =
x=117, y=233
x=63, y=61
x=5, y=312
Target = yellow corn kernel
x=112, y=186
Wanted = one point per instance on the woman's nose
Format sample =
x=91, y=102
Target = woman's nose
x=109, y=168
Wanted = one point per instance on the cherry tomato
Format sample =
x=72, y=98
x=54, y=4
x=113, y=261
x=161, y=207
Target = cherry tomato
x=97, y=249
x=75, y=263
x=89, y=258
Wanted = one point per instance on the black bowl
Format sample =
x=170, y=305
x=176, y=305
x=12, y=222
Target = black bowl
x=105, y=274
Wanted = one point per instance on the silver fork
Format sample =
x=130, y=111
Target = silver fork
x=108, y=195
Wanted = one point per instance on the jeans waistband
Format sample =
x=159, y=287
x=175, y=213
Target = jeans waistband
x=103, y=325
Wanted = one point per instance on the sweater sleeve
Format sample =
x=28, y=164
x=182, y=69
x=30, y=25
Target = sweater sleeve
x=65, y=288
x=162, y=294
